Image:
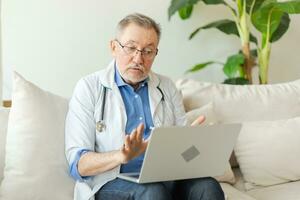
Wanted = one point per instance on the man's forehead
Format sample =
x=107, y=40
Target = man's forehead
x=134, y=42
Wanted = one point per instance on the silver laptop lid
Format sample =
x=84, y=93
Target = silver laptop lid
x=188, y=152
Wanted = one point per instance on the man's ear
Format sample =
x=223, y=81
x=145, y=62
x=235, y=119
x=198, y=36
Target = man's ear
x=113, y=48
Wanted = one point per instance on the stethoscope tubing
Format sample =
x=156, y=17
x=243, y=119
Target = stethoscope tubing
x=100, y=124
x=103, y=102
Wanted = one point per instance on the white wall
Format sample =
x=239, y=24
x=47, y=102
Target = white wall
x=285, y=57
x=53, y=43
x=1, y=81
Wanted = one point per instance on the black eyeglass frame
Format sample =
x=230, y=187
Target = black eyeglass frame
x=136, y=49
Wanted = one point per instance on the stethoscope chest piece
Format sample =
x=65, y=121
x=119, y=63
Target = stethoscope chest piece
x=100, y=126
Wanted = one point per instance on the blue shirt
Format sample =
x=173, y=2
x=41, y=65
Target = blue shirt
x=138, y=111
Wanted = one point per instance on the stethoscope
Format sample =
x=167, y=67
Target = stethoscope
x=100, y=125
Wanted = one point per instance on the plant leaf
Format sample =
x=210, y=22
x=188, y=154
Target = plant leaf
x=200, y=66
x=260, y=18
x=236, y=81
x=233, y=65
x=253, y=53
x=282, y=28
x=256, y=6
x=208, y=2
x=176, y=5
x=279, y=19
x=185, y=12
x=253, y=38
x=225, y=25
x=290, y=7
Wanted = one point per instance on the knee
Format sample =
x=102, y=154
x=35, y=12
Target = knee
x=209, y=188
x=155, y=191
x=212, y=184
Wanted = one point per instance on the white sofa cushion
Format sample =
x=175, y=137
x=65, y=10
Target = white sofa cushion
x=286, y=191
x=232, y=193
x=239, y=179
x=35, y=163
x=236, y=103
x=3, y=129
x=208, y=111
x=268, y=152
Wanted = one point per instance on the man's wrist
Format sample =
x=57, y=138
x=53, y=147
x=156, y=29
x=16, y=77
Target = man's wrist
x=120, y=157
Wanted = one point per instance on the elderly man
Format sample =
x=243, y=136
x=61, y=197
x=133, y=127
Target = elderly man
x=111, y=115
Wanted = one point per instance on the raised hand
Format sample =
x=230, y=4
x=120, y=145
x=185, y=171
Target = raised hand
x=134, y=144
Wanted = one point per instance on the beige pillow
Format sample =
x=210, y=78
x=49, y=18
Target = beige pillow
x=208, y=112
x=236, y=103
x=3, y=129
x=268, y=152
x=35, y=163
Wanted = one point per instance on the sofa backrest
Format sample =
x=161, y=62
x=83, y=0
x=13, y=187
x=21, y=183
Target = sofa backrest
x=236, y=103
x=3, y=129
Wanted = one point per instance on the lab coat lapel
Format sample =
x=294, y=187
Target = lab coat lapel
x=108, y=81
x=154, y=94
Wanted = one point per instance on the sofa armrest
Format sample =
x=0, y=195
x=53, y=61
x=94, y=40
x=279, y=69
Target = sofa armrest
x=6, y=103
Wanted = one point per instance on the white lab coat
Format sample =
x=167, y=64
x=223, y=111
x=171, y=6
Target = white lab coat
x=84, y=112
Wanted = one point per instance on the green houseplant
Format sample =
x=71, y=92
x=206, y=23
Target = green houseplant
x=269, y=17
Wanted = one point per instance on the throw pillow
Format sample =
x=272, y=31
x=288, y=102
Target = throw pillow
x=268, y=152
x=35, y=163
x=206, y=110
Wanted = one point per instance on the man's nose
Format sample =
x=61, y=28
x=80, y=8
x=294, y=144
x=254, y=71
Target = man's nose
x=138, y=57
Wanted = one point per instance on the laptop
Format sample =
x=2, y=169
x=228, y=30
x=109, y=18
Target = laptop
x=176, y=153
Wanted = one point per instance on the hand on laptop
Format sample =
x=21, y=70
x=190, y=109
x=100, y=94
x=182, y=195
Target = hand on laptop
x=134, y=144
x=198, y=121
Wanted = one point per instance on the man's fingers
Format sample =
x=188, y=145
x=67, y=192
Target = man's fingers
x=140, y=132
x=147, y=140
x=127, y=142
x=145, y=143
x=198, y=121
x=133, y=134
x=140, y=127
x=133, y=143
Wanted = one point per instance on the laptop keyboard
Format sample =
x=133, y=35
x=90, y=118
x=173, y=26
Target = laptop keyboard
x=134, y=175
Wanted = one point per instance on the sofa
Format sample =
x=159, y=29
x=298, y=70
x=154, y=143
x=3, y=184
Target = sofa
x=264, y=162
x=265, y=158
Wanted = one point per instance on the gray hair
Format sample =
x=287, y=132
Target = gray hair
x=140, y=20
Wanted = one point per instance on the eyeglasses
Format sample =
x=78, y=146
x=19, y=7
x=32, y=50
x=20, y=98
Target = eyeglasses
x=147, y=53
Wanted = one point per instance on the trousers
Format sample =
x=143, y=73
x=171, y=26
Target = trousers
x=191, y=189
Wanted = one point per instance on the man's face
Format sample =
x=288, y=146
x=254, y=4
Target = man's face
x=134, y=66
